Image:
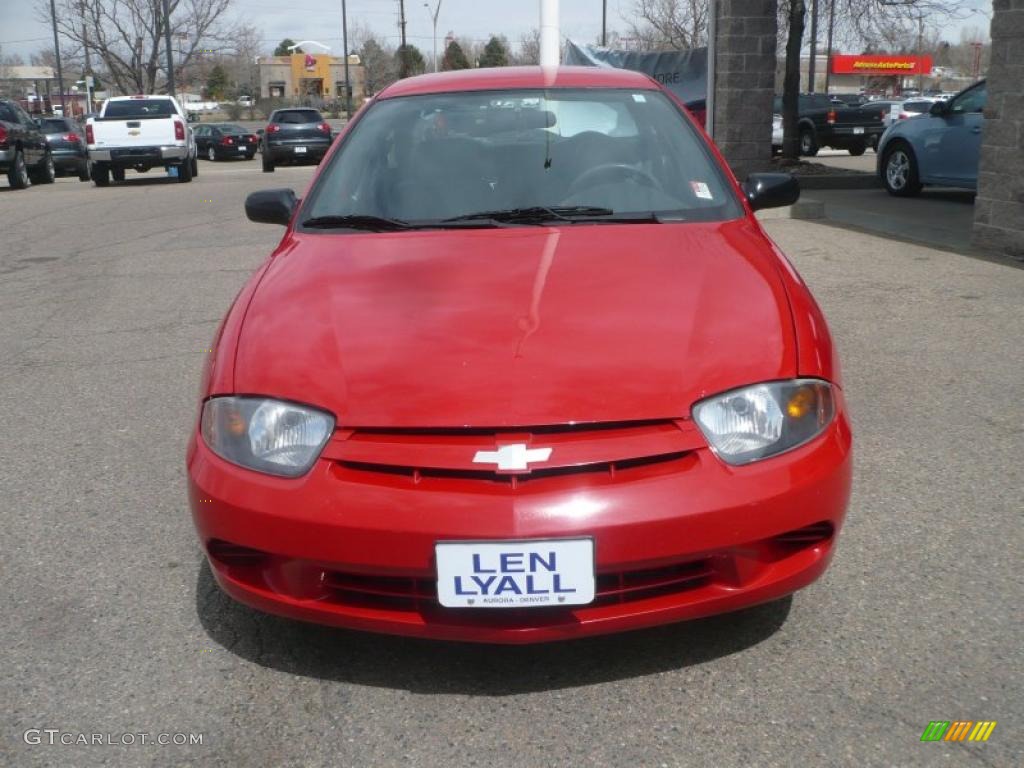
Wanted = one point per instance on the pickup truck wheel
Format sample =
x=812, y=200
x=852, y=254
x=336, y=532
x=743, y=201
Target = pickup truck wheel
x=117, y=174
x=185, y=172
x=857, y=149
x=808, y=143
x=899, y=171
x=44, y=173
x=195, y=166
x=100, y=175
x=17, y=176
x=268, y=164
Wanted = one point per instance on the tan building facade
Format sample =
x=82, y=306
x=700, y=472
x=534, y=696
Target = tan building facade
x=303, y=76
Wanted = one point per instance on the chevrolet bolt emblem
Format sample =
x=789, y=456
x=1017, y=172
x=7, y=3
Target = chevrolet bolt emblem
x=511, y=458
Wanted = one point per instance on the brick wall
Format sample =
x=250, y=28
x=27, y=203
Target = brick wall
x=999, y=206
x=745, y=83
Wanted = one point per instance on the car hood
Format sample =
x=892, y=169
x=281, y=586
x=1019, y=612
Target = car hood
x=523, y=326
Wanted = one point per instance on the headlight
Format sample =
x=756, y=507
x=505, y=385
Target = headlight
x=266, y=435
x=766, y=419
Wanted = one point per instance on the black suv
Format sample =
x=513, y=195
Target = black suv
x=24, y=154
x=294, y=136
x=67, y=145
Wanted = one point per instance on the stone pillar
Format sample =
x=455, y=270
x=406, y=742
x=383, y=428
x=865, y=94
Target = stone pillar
x=745, y=83
x=999, y=206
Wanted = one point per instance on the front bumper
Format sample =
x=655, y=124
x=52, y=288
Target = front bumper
x=692, y=540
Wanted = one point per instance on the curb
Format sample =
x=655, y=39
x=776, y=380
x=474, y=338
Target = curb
x=840, y=181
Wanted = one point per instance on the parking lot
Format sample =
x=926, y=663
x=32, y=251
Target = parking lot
x=108, y=301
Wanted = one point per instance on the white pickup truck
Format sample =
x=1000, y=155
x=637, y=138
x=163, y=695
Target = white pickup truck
x=140, y=132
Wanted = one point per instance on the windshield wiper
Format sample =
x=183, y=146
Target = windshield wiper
x=357, y=221
x=536, y=213
x=371, y=223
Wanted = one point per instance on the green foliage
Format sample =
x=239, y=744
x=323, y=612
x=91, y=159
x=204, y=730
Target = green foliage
x=233, y=110
x=410, y=61
x=282, y=48
x=217, y=82
x=454, y=57
x=495, y=53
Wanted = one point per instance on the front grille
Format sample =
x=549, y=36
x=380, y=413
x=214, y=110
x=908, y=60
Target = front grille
x=610, y=469
x=412, y=594
x=431, y=457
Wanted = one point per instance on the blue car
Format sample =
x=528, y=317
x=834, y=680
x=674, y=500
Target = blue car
x=940, y=147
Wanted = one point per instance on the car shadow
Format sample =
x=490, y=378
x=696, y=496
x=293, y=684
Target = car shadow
x=424, y=666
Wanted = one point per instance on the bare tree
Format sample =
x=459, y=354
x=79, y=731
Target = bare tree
x=669, y=24
x=529, y=49
x=127, y=36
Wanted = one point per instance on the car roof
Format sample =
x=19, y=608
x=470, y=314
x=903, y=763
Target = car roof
x=513, y=78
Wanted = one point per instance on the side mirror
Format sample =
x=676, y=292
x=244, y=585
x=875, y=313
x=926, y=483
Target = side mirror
x=771, y=190
x=938, y=109
x=271, y=206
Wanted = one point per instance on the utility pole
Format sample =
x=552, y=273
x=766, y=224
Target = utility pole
x=56, y=51
x=170, y=53
x=604, y=22
x=811, y=65
x=344, y=47
x=403, y=60
x=831, y=29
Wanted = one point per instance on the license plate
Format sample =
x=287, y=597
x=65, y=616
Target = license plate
x=858, y=130
x=515, y=574
x=242, y=149
x=300, y=150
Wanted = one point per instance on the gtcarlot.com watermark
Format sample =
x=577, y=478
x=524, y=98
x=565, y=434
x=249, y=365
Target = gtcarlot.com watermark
x=54, y=736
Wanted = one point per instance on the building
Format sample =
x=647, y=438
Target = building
x=308, y=77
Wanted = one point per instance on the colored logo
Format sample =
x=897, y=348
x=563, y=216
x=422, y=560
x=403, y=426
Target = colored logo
x=958, y=730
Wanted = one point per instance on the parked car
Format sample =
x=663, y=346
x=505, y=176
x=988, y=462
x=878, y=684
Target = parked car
x=66, y=140
x=506, y=381
x=221, y=141
x=296, y=135
x=140, y=132
x=24, y=154
x=941, y=147
x=824, y=124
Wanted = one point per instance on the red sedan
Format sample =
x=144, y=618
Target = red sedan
x=523, y=367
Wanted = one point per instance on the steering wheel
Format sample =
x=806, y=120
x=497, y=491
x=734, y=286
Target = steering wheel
x=611, y=172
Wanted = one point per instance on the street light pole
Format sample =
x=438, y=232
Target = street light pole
x=434, y=14
x=604, y=23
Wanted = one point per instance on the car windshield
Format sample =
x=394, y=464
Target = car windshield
x=298, y=116
x=561, y=154
x=139, y=108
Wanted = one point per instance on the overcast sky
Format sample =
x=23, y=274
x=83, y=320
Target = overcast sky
x=320, y=20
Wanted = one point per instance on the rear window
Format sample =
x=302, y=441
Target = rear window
x=917, y=106
x=54, y=126
x=140, y=109
x=232, y=129
x=293, y=116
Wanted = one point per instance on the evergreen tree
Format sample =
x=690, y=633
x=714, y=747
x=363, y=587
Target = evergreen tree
x=495, y=53
x=454, y=57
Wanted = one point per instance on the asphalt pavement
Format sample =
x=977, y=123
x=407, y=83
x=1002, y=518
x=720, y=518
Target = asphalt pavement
x=112, y=624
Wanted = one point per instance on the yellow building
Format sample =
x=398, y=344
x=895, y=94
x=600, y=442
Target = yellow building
x=303, y=76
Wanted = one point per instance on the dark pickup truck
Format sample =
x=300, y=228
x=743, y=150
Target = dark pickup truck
x=824, y=124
